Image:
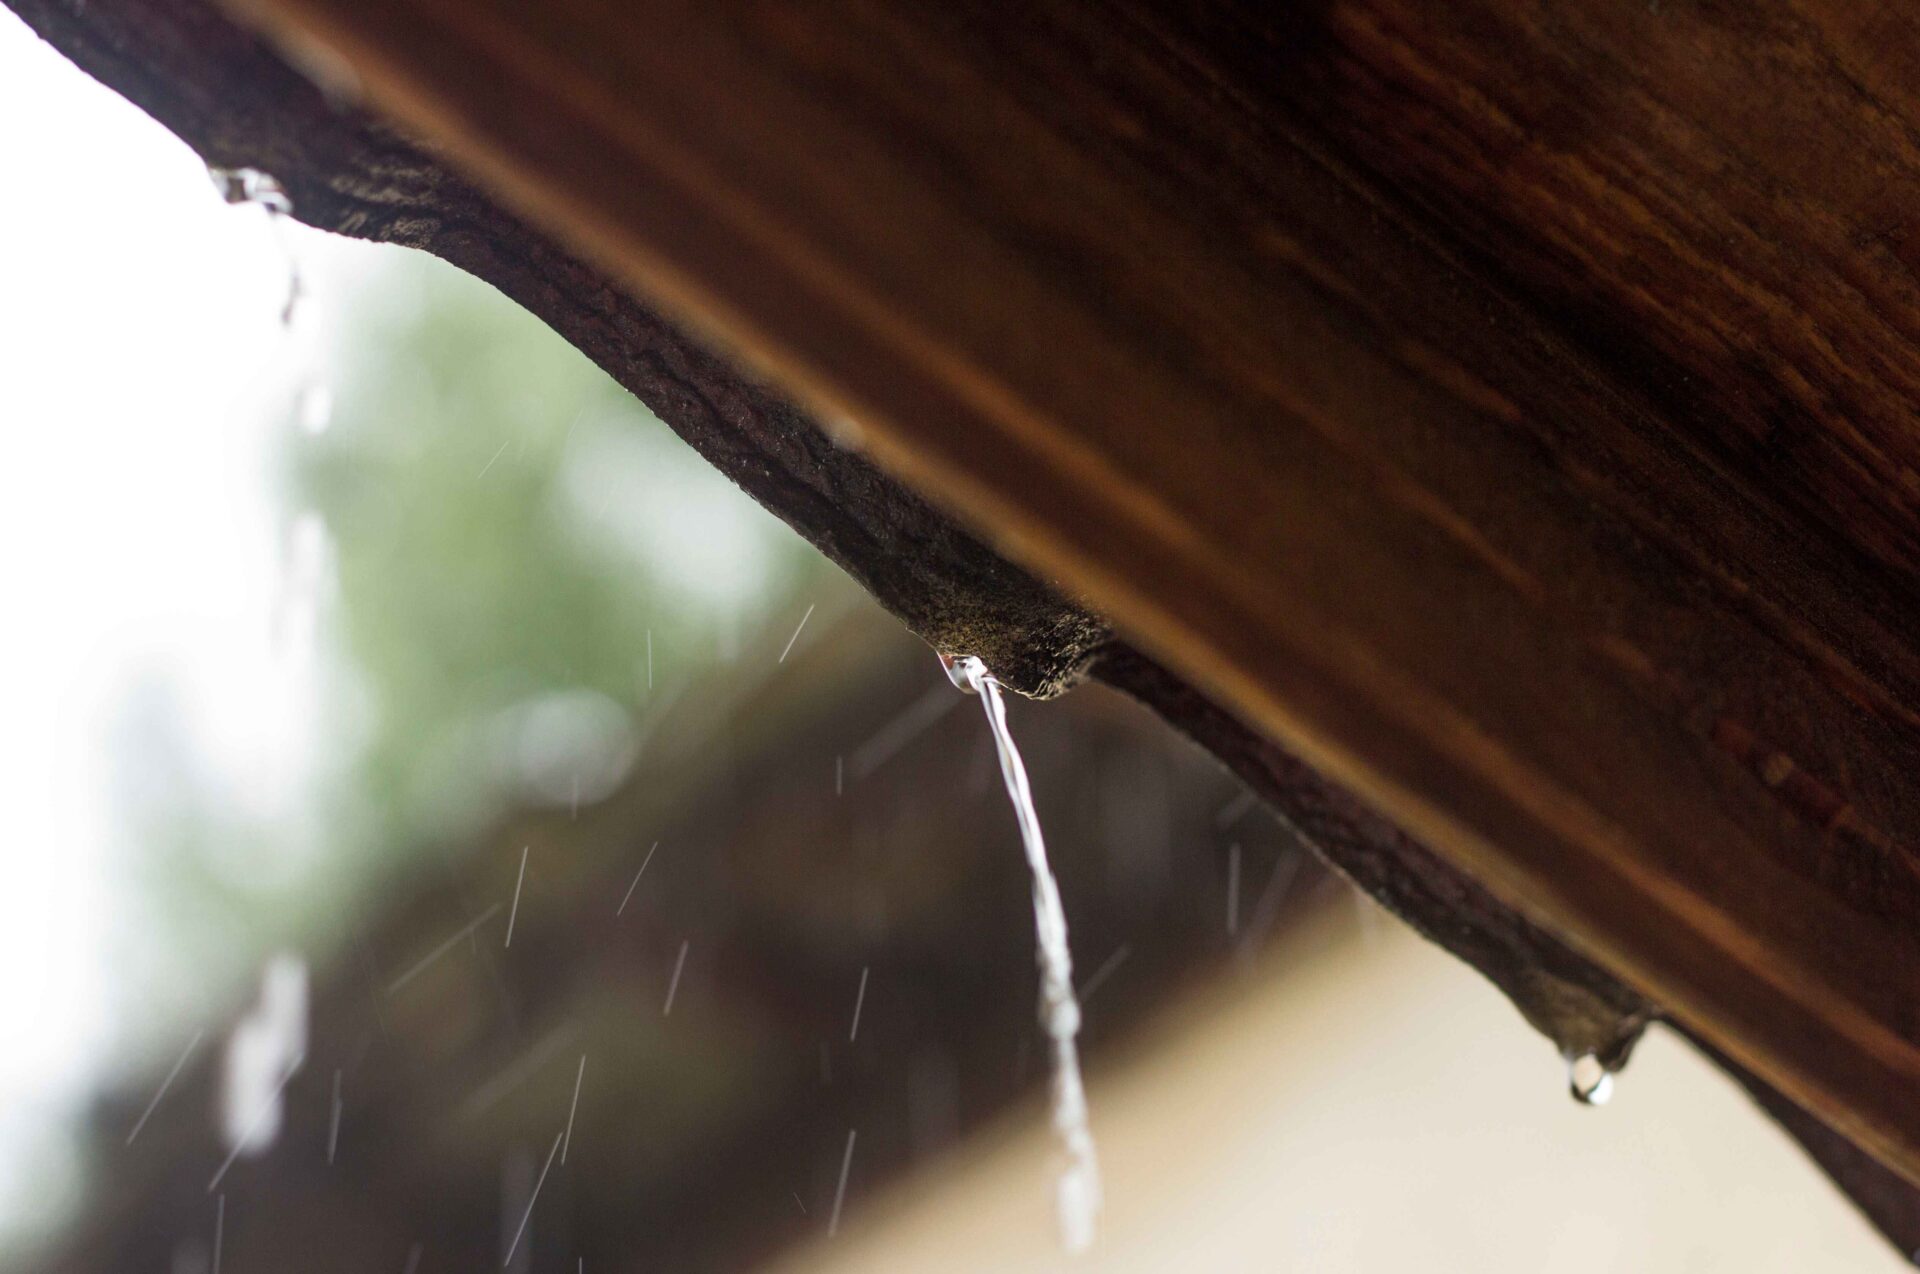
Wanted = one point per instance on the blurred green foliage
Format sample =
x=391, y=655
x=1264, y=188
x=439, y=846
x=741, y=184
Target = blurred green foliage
x=507, y=525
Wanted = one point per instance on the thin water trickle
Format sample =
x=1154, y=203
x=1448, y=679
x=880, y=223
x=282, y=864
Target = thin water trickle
x=333, y=1118
x=840, y=1194
x=1589, y=1080
x=264, y=1051
x=267, y=1042
x=250, y=185
x=518, y=881
x=263, y=190
x=532, y=1199
x=679, y=967
x=859, y=1002
x=573, y=1108
x=1078, y=1193
x=165, y=1084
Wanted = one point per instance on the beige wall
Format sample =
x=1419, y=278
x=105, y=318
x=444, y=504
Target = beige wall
x=1362, y=1103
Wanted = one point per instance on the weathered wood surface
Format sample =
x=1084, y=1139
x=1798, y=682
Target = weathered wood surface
x=239, y=105
x=1506, y=406
x=1700, y=648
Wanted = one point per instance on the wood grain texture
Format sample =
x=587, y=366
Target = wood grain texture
x=239, y=105
x=1502, y=405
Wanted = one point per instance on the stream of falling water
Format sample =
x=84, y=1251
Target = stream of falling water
x=263, y=190
x=1078, y=1190
x=269, y=1045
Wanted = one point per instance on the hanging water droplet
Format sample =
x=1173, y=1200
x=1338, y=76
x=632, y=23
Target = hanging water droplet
x=1589, y=1080
x=956, y=667
x=263, y=189
x=229, y=182
x=250, y=185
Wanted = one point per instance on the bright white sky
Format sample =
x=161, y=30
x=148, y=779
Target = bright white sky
x=142, y=374
x=146, y=385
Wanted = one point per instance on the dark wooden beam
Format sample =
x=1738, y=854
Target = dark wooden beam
x=1502, y=407
x=238, y=104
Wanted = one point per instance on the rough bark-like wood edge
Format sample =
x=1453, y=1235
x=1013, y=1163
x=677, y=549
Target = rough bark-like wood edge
x=240, y=105
x=1568, y=998
x=1561, y=993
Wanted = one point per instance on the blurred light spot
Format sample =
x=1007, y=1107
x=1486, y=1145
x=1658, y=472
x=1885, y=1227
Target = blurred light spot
x=559, y=746
x=265, y=1049
x=669, y=510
